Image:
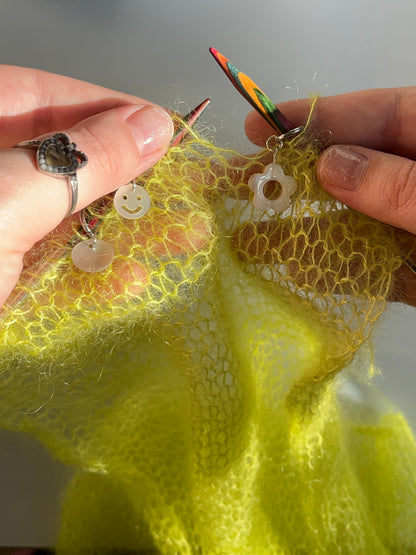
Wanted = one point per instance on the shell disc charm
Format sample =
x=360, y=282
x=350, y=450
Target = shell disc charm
x=92, y=255
x=132, y=201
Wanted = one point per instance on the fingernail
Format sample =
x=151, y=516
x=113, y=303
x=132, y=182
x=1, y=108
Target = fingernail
x=152, y=129
x=343, y=167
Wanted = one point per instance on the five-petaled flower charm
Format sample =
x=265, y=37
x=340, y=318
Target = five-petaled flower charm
x=258, y=181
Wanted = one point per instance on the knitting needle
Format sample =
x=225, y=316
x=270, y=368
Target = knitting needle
x=253, y=94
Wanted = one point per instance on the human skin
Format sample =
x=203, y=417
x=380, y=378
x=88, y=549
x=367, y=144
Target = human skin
x=374, y=139
x=124, y=135
x=370, y=165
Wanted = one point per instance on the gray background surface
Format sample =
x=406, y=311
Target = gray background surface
x=159, y=50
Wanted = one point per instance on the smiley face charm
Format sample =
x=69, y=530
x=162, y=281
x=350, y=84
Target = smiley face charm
x=132, y=201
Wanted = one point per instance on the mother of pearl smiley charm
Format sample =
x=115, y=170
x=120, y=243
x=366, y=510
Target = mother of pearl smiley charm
x=132, y=201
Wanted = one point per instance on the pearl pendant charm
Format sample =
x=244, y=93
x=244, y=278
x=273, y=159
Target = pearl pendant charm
x=92, y=255
x=258, y=181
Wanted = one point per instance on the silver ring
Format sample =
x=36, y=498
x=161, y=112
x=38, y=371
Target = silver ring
x=292, y=133
x=275, y=142
x=57, y=156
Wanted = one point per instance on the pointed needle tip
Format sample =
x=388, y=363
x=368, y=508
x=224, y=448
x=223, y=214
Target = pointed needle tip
x=190, y=119
x=195, y=113
x=214, y=52
x=252, y=93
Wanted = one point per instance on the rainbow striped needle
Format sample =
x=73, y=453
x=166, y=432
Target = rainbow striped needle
x=253, y=94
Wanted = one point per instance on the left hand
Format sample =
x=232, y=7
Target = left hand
x=121, y=135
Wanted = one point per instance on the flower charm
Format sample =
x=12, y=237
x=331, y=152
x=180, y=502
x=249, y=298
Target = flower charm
x=258, y=181
x=132, y=201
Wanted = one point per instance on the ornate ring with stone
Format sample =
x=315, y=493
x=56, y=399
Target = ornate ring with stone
x=58, y=156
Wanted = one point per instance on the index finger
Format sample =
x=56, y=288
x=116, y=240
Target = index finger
x=382, y=119
x=35, y=102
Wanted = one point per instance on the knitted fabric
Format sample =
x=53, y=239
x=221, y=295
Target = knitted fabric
x=193, y=385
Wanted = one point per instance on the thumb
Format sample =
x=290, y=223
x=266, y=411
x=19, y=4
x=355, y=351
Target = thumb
x=380, y=185
x=120, y=144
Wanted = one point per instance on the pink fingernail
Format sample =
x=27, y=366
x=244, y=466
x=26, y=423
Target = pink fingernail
x=152, y=129
x=343, y=167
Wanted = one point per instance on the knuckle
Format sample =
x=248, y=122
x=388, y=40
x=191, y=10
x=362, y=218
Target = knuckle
x=104, y=154
x=400, y=192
